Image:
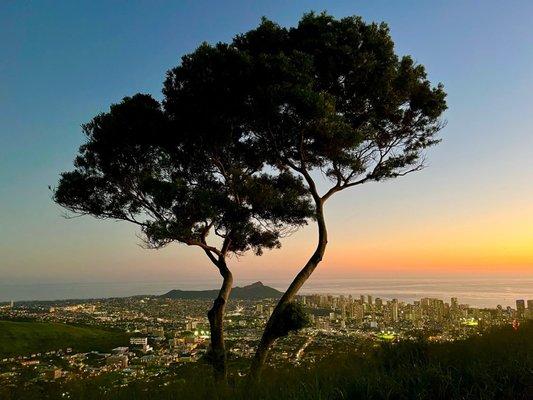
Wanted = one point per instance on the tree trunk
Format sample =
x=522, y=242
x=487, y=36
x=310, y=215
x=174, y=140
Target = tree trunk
x=216, y=321
x=269, y=338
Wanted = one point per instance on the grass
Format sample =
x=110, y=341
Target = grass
x=497, y=365
x=24, y=338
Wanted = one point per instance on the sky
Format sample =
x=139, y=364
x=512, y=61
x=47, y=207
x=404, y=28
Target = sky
x=469, y=212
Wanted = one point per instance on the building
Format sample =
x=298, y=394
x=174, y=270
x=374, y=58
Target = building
x=379, y=303
x=120, y=350
x=395, y=310
x=27, y=363
x=149, y=359
x=118, y=360
x=53, y=374
x=520, y=308
x=454, y=304
x=139, y=341
x=158, y=332
x=191, y=325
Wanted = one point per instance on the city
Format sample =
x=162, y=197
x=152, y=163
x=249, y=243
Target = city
x=161, y=335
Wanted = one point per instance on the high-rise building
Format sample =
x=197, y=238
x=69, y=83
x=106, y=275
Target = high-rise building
x=370, y=299
x=454, y=304
x=358, y=312
x=379, y=302
x=529, y=311
x=439, y=310
x=520, y=308
x=362, y=299
x=395, y=309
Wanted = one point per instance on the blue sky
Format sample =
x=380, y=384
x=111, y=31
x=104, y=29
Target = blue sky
x=64, y=61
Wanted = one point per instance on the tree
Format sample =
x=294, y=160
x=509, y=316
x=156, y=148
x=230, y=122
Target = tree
x=140, y=165
x=331, y=97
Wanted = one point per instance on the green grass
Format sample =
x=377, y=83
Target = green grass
x=23, y=338
x=498, y=365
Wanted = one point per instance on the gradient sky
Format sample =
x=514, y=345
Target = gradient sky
x=470, y=211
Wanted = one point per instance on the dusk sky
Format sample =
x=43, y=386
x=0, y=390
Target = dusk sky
x=469, y=212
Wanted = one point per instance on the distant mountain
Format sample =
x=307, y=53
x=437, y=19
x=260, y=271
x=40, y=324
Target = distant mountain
x=250, y=292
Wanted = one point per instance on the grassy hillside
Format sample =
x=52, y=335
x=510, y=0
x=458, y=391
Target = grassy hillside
x=498, y=365
x=22, y=338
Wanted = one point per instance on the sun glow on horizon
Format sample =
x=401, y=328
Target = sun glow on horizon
x=495, y=242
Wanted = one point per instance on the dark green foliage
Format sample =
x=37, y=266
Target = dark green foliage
x=332, y=95
x=291, y=318
x=140, y=166
x=114, y=162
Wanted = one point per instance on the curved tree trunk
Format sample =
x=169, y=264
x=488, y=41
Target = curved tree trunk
x=269, y=338
x=216, y=321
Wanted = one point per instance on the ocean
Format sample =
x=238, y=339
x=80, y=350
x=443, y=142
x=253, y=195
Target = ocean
x=478, y=292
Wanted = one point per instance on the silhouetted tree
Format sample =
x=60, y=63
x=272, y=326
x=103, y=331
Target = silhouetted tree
x=331, y=97
x=150, y=166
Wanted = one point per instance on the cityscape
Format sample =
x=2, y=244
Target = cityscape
x=161, y=334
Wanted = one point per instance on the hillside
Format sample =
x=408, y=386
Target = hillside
x=250, y=292
x=498, y=365
x=22, y=338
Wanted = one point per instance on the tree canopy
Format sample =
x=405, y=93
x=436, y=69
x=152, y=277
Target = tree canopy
x=332, y=95
x=138, y=166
